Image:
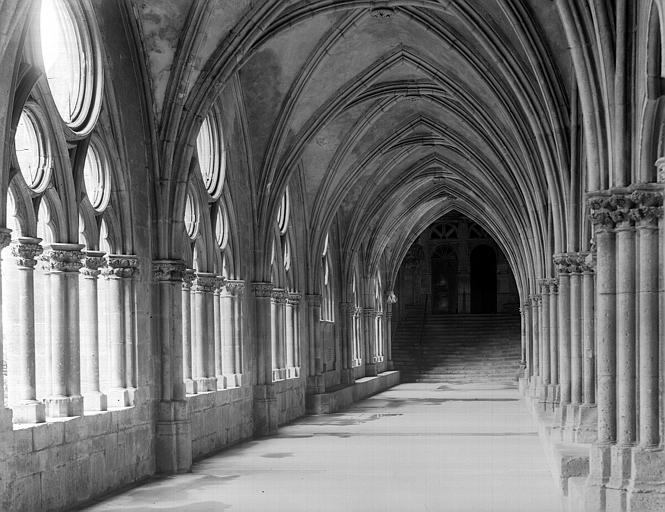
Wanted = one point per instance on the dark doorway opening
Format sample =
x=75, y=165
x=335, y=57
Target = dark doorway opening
x=483, y=280
x=444, y=280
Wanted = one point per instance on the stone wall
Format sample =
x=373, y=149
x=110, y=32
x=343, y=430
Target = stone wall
x=56, y=465
x=220, y=419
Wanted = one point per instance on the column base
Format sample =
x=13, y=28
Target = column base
x=568, y=426
x=278, y=374
x=118, y=397
x=173, y=438
x=95, y=401
x=646, y=490
x=523, y=386
x=63, y=406
x=190, y=387
x=29, y=411
x=617, y=485
x=204, y=384
x=265, y=410
x=600, y=463
x=586, y=424
x=292, y=372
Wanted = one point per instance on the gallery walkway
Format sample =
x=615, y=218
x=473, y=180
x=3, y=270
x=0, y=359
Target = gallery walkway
x=416, y=447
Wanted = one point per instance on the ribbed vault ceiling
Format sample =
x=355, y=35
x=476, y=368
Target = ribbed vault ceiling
x=395, y=112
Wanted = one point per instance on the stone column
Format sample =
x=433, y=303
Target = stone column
x=554, y=337
x=226, y=319
x=369, y=336
x=576, y=261
x=5, y=413
x=646, y=214
x=545, y=332
x=528, y=344
x=605, y=316
x=588, y=331
x=202, y=343
x=586, y=429
x=265, y=401
x=129, y=282
x=316, y=383
x=292, y=302
x=119, y=271
x=187, y=280
x=64, y=262
x=625, y=322
x=173, y=430
x=218, y=371
x=535, y=338
x=238, y=288
x=24, y=392
x=93, y=398
x=276, y=334
x=562, y=263
x=357, y=336
x=390, y=300
x=346, y=327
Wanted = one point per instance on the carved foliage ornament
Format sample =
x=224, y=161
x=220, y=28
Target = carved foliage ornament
x=262, y=289
x=120, y=266
x=204, y=283
x=168, y=270
x=641, y=206
x=92, y=262
x=25, y=252
x=58, y=260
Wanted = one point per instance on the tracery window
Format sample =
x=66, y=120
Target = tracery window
x=378, y=317
x=70, y=57
x=96, y=177
x=327, y=309
x=285, y=300
x=32, y=151
x=356, y=319
x=212, y=294
x=56, y=368
x=444, y=230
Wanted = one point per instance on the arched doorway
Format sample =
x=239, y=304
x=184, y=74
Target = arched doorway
x=444, y=280
x=483, y=280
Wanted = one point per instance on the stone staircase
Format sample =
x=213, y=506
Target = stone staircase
x=458, y=349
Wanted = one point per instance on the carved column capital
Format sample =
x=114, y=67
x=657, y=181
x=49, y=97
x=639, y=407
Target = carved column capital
x=92, y=261
x=26, y=250
x=553, y=285
x=599, y=213
x=262, y=289
x=391, y=298
x=63, y=257
x=204, y=282
x=278, y=295
x=121, y=266
x=293, y=298
x=188, y=277
x=235, y=286
x=168, y=270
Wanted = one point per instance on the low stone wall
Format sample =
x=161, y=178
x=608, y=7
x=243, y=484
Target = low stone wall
x=290, y=399
x=343, y=397
x=220, y=419
x=62, y=463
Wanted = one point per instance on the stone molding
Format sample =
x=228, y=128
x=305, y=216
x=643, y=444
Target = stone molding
x=188, y=277
x=63, y=257
x=26, y=250
x=263, y=290
x=121, y=266
x=368, y=311
x=168, y=271
x=382, y=12
x=92, y=263
x=204, y=282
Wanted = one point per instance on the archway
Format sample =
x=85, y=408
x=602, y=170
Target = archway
x=483, y=280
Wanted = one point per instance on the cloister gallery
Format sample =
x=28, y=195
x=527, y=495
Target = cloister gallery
x=220, y=216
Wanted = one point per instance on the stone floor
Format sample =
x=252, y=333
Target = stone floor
x=416, y=447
